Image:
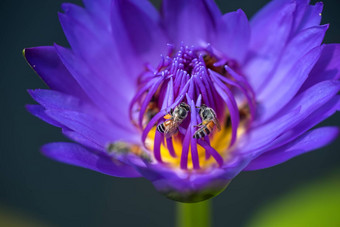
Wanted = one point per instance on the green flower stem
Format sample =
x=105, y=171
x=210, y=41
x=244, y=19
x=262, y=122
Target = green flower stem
x=193, y=214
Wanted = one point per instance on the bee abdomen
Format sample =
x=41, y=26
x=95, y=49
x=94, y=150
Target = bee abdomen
x=202, y=132
x=161, y=128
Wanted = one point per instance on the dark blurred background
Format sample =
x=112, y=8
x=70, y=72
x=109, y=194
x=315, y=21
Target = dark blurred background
x=36, y=191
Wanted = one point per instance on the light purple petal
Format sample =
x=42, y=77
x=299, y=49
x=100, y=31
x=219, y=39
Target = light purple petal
x=186, y=187
x=299, y=46
x=311, y=17
x=99, y=9
x=270, y=30
x=299, y=13
x=97, y=130
x=56, y=100
x=50, y=99
x=77, y=155
x=310, y=141
x=323, y=112
x=284, y=90
x=39, y=112
x=112, y=101
x=190, y=21
x=316, y=95
x=139, y=24
x=101, y=53
x=269, y=11
x=314, y=106
x=262, y=135
x=75, y=136
x=45, y=61
x=232, y=25
x=326, y=68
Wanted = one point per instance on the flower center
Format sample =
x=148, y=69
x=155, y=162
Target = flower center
x=192, y=108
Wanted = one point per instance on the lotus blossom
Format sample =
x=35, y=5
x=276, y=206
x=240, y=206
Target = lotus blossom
x=267, y=82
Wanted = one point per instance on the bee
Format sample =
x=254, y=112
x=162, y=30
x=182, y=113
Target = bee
x=209, y=121
x=210, y=61
x=120, y=147
x=175, y=118
x=151, y=111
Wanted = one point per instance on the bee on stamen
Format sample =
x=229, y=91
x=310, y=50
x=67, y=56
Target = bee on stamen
x=175, y=118
x=209, y=121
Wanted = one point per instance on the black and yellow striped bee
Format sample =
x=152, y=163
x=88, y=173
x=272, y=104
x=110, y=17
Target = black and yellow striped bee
x=175, y=118
x=209, y=121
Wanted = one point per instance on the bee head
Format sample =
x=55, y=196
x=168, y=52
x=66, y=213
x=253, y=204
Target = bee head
x=202, y=108
x=185, y=106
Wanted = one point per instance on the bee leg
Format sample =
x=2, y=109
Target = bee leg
x=199, y=125
x=176, y=133
x=167, y=135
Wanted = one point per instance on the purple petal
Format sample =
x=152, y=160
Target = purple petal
x=187, y=187
x=270, y=29
x=311, y=17
x=300, y=10
x=111, y=100
x=100, y=55
x=77, y=13
x=309, y=122
x=299, y=46
x=50, y=99
x=326, y=68
x=99, y=9
x=313, y=105
x=270, y=10
x=77, y=155
x=97, y=130
x=56, y=100
x=262, y=135
x=45, y=61
x=232, y=25
x=39, y=112
x=139, y=22
x=310, y=141
x=283, y=91
x=74, y=136
x=316, y=96
x=190, y=21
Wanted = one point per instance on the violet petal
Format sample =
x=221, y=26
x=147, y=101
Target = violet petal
x=77, y=155
x=312, y=140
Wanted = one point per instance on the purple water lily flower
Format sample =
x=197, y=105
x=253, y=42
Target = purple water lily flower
x=187, y=97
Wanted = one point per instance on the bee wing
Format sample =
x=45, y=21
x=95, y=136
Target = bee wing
x=171, y=129
x=217, y=123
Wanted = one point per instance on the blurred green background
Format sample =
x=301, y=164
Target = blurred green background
x=36, y=191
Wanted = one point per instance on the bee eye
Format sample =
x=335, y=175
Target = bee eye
x=182, y=113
